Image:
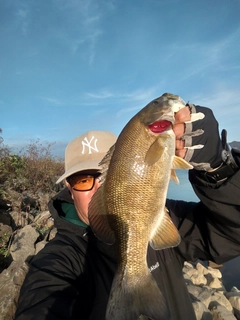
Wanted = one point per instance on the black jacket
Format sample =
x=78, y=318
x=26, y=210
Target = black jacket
x=71, y=277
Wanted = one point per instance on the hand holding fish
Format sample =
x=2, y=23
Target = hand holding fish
x=182, y=116
x=192, y=137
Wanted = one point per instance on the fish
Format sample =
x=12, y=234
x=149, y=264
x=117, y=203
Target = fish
x=128, y=209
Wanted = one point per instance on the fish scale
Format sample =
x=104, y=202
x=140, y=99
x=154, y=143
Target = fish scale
x=129, y=207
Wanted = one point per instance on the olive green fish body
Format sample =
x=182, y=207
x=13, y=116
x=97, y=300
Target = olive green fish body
x=129, y=208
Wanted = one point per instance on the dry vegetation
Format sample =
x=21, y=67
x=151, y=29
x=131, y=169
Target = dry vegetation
x=31, y=173
x=33, y=169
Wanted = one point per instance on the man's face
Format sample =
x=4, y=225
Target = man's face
x=76, y=185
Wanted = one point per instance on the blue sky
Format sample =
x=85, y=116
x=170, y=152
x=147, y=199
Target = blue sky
x=69, y=66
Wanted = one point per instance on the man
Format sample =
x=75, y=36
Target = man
x=71, y=277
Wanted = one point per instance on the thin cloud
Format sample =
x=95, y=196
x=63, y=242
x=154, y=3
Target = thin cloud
x=139, y=98
x=136, y=99
x=141, y=94
x=200, y=57
x=22, y=15
x=130, y=110
x=224, y=101
x=54, y=101
x=84, y=100
x=136, y=95
x=89, y=27
x=100, y=95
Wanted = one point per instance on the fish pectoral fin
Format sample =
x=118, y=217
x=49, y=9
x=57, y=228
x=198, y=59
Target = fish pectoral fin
x=98, y=218
x=180, y=163
x=174, y=176
x=166, y=235
x=154, y=153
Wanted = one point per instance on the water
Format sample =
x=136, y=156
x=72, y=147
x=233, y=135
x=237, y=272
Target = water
x=231, y=269
x=183, y=190
x=231, y=274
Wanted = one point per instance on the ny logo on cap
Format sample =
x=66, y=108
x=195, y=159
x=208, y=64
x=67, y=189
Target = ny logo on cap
x=88, y=145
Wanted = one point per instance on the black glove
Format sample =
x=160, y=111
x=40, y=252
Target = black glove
x=202, y=140
x=206, y=151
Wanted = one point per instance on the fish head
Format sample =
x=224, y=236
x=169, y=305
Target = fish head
x=147, y=126
x=158, y=118
x=159, y=115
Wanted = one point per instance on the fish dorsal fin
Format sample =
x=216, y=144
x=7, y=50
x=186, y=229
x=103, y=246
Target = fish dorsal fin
x=98, y=218
x=104, y=163
x=180, y=163
x=166, y=235
x=154, y=153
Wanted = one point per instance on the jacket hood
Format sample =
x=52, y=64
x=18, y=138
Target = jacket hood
x=55, y=208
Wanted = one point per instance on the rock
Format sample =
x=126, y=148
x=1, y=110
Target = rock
x=5, y=218
x=214, y=265
x=5, y=231
x=22, y=227
x=23, y=246
x=214, y=272
x=209, y=297
x=40, y=245
x=202, y=294
x=198, y=279
x=220, y=313
x=214, y=282
x=234, y=298
x=52, y=233
x=16, y=217
x=218, y=297
x=11, y=280
x=200, y=268
x=201, y=311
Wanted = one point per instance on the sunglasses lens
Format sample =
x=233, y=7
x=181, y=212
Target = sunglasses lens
x=82, y=182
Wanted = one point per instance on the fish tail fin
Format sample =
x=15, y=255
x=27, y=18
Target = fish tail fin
x=142, y=298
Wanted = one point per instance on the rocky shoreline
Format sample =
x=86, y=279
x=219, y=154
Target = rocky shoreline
x=209, y=297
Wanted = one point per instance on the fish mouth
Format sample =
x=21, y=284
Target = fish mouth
x=160, y=126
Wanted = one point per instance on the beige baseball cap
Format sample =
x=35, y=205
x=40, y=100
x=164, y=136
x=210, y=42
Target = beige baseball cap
x=86, y=151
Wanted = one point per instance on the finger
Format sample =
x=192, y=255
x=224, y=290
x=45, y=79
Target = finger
x=183, y=115
x=181, y=153
x=179, y=130
x=180, y=144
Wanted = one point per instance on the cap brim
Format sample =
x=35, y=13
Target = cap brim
x=90, y=165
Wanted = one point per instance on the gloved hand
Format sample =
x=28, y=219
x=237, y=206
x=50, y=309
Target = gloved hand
x=198, y=142
x=201, y=138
